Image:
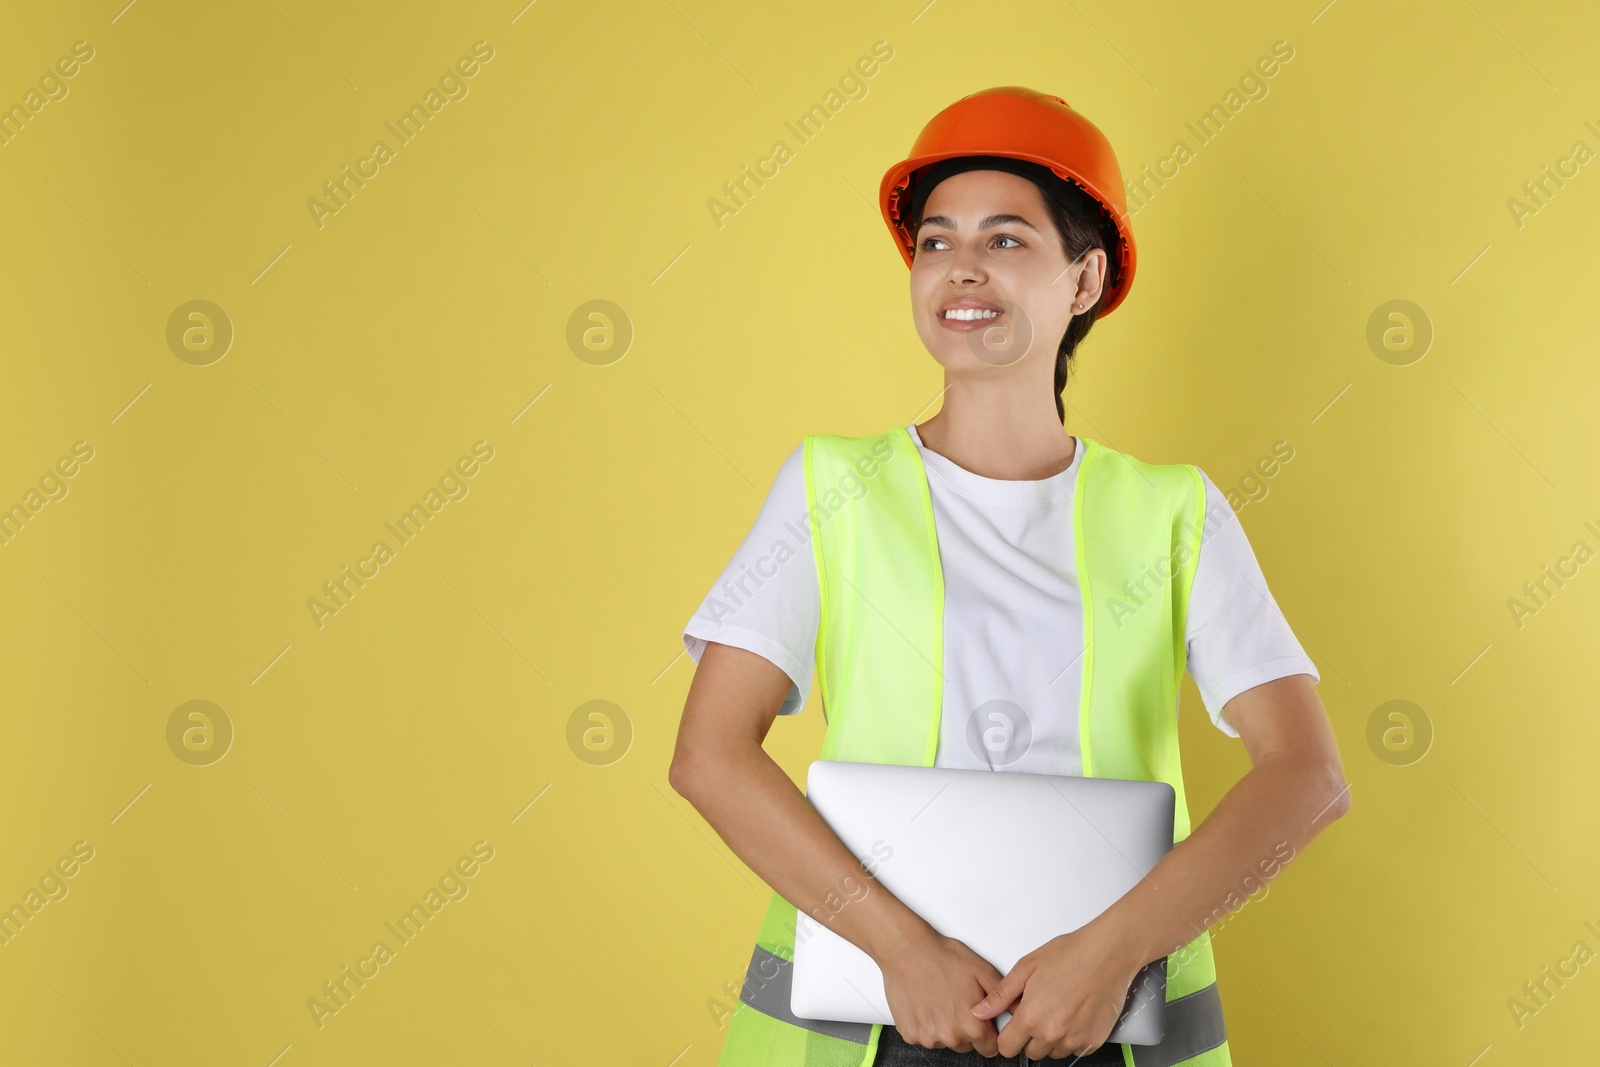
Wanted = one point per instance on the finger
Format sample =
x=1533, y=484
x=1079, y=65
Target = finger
x=998, y=1000
x=969, y=1039
x=987, y=1043
x=987, y=980
x=1017, y=1034
x=982, y=1037
x=1012, y=1040
x=1039, y=1049
x=1001, y=997
x=986, y=983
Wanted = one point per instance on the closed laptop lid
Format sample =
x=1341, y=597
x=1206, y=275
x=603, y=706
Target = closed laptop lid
x=1002, y=861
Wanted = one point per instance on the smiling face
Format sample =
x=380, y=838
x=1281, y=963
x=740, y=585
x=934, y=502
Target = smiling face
x=991, y=285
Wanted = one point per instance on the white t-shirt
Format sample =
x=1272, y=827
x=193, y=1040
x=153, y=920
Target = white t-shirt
x=1013, y=616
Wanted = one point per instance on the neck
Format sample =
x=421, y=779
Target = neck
x=996, y=433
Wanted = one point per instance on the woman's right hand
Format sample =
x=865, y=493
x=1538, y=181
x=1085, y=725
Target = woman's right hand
x=932, y=984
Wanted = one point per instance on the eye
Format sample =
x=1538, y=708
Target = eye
x=928, y=243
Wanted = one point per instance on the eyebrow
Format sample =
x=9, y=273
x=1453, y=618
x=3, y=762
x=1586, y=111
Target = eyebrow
x=993, y=220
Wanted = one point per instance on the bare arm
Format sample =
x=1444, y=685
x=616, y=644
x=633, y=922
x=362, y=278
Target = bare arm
x=1293, y=791
x=720, y=767
x=931, y=981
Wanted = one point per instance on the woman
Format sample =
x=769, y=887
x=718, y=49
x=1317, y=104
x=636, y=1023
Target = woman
x=982, y=590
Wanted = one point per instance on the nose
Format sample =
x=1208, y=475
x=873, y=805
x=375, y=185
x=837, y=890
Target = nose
x=966, y=265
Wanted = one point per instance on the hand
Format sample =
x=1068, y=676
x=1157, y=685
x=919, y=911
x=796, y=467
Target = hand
x=931, y=984
x=1072, y=990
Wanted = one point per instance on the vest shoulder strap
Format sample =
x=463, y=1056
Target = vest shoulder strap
x=1145, y=520
x=880, y=632
x=1137, y=532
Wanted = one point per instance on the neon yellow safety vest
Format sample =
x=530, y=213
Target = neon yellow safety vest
x=1137, y=529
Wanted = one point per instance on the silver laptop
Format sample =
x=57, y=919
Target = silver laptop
x=1000, y=860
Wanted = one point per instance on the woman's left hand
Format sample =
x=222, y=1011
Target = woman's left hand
x=1072, y=988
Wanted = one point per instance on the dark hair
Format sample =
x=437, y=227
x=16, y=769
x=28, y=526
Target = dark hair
x=1081, y=222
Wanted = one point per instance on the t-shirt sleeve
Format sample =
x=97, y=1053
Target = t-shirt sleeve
x=1237, y=637
x=766, y=600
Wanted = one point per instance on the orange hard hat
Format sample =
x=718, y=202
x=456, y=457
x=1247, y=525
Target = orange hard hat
x=1017, y=123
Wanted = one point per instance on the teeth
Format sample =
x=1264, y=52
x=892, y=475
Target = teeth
x=968, y=314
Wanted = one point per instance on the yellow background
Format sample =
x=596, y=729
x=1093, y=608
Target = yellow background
x=373, y=351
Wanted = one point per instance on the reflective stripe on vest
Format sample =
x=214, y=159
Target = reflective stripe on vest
x=766, y=988
x=879, y=653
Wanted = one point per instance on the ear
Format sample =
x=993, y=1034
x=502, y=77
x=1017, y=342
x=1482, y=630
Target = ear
x=1091, y=280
